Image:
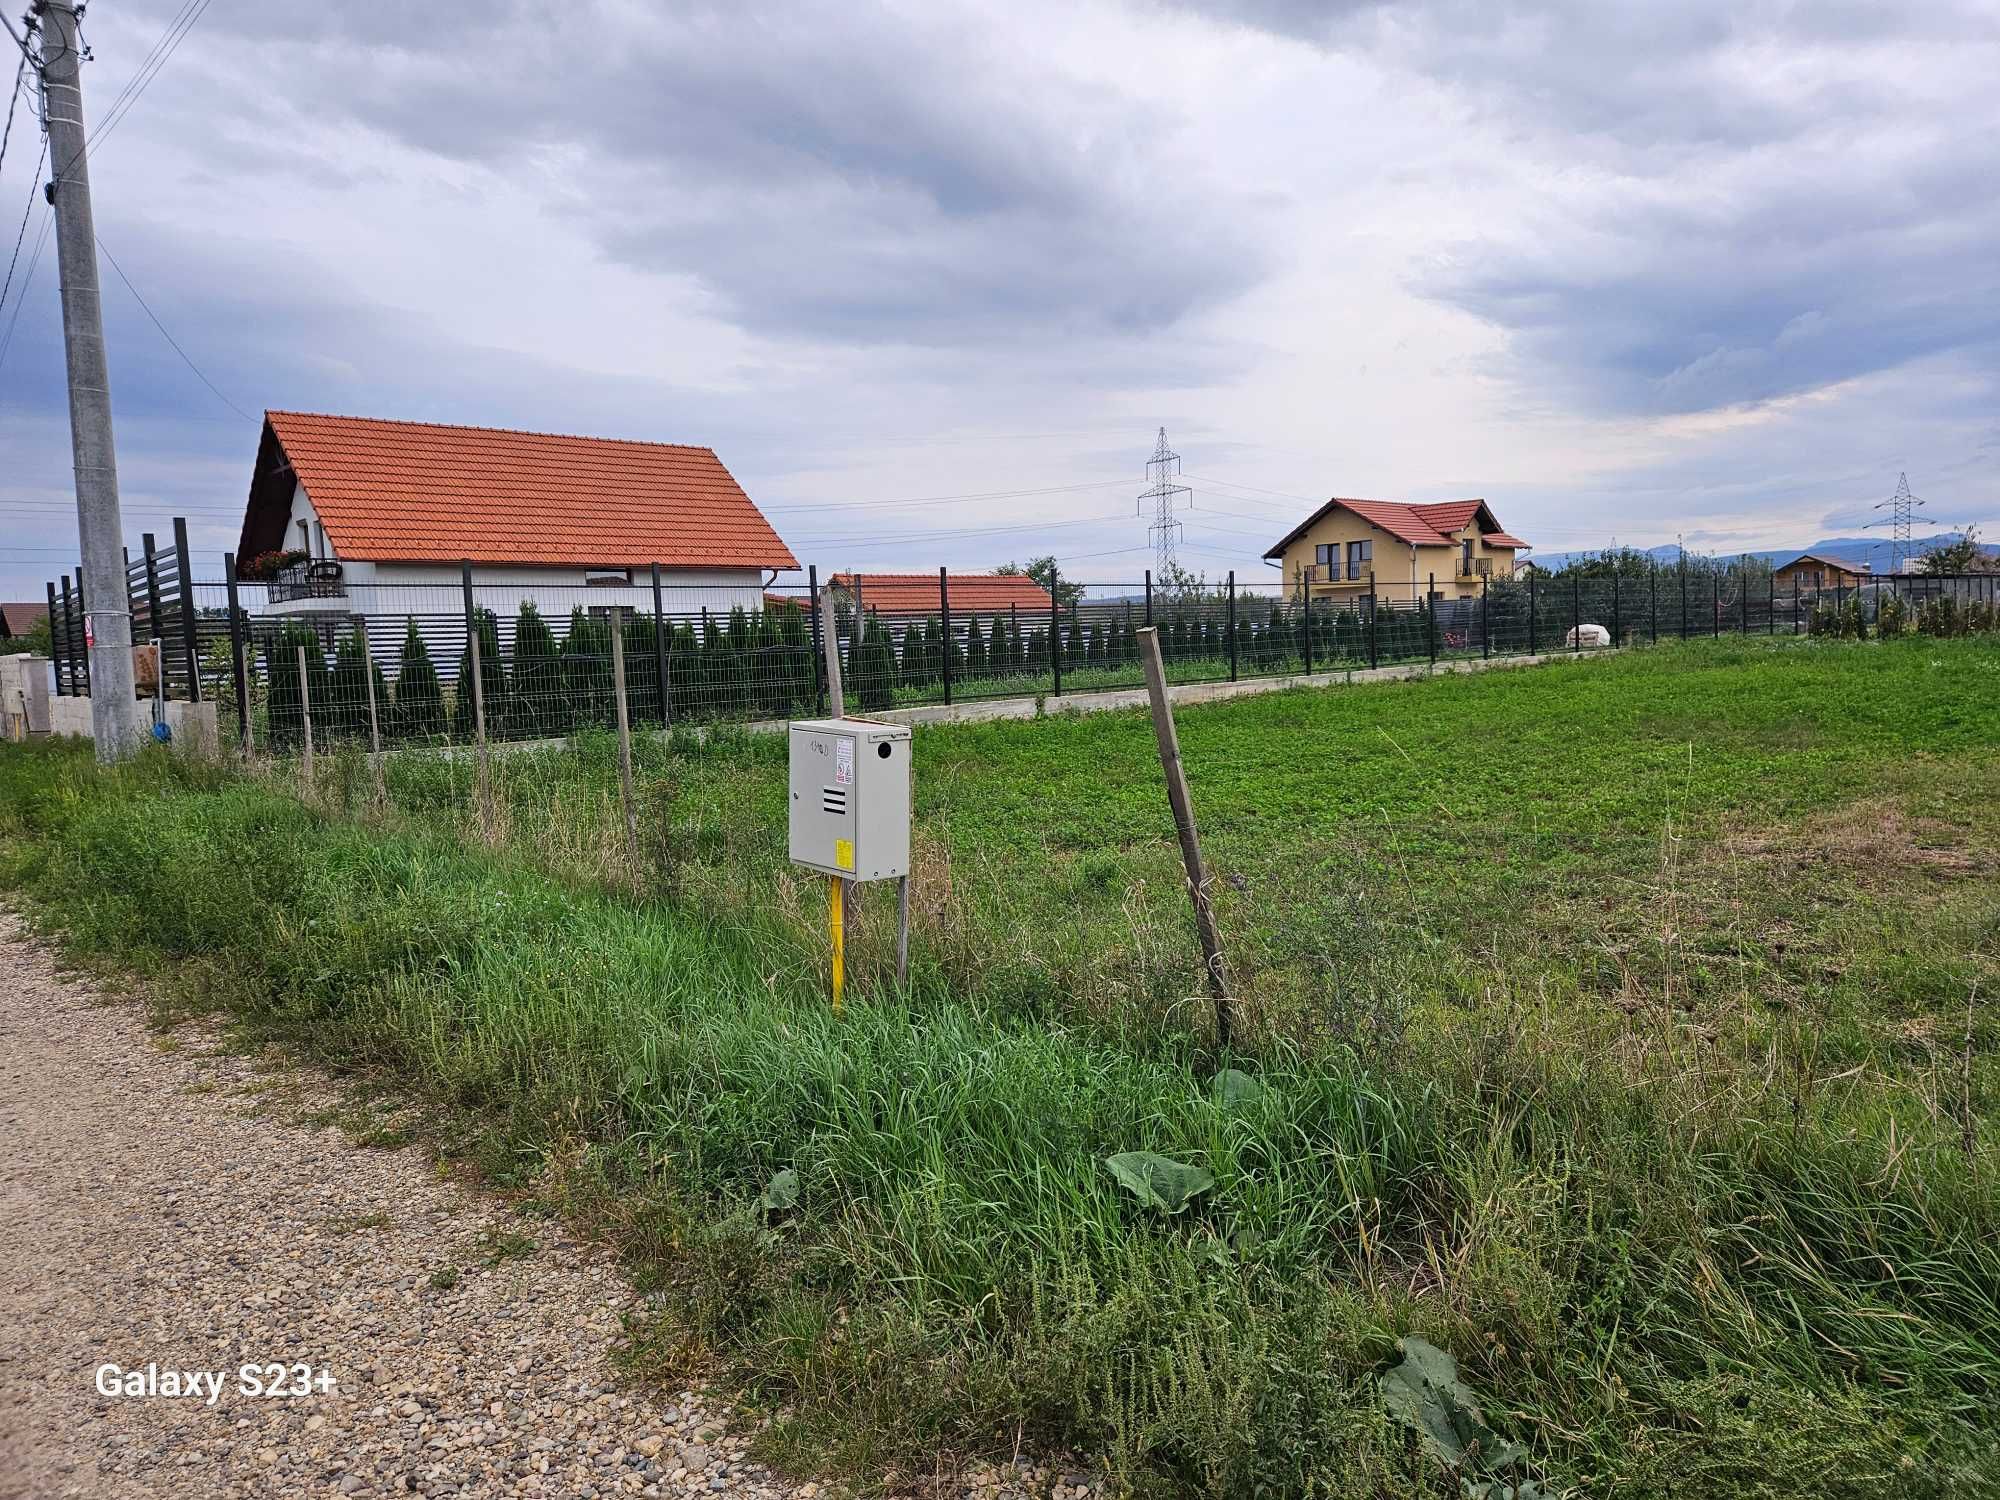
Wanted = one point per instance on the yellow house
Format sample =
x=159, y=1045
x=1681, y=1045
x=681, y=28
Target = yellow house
x=1345, y=544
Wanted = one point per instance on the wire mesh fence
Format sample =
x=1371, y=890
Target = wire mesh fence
x=279, y=657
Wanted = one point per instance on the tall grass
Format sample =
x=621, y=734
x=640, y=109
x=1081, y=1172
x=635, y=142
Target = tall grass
x=1672, y=1258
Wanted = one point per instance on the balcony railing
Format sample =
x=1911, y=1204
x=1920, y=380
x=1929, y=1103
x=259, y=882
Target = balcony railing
x=317, y=578
x=1475, y=567
x=1334, y=573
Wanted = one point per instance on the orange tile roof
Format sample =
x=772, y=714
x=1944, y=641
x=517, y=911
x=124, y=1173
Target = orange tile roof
x=425, y=492
x=971, y=593
x=1425, y=525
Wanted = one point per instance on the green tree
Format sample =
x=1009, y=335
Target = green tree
x=347, y=690
x=642, y=670
x=418, y=711
x=1965, y=555
x=1044, y=571
x=538, y=680
x=875, y=677
x=948, y=657
x=586, y=672
x=36, y=640
x=492, y=684
x=287, y=711
x=975, y=649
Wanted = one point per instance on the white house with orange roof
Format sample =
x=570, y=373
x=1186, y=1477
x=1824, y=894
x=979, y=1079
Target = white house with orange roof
x=356, y=516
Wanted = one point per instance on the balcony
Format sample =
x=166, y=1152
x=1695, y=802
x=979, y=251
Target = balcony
x=317, y=583
x=1321, y=575
x=1474, y=569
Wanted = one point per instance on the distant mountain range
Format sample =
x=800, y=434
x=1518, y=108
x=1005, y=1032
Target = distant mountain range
x=1854, y=549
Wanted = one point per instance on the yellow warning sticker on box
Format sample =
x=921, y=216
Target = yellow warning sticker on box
x=843, y=853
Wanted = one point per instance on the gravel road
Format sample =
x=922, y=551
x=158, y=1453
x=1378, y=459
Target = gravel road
x=166, y=1203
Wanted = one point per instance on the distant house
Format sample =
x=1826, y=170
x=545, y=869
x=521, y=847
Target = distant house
x=1817, y=570
x=1454, y=546
x=972, y=595
x=17, y=619
x=359, y=516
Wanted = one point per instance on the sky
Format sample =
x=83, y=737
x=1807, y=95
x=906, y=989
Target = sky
x=930, y=276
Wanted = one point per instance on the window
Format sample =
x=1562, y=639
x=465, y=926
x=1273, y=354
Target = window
x=607, y=578
x=1465, y=557
x=1360, y=558
x=1326, y=555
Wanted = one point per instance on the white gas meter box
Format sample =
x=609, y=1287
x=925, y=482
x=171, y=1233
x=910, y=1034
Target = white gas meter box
x=851, y=797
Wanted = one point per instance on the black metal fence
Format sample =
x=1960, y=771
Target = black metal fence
x=392, y=663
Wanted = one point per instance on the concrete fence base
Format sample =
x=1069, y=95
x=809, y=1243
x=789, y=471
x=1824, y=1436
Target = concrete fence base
x=192, y=725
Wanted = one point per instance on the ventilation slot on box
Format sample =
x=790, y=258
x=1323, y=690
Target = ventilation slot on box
x=833, y=799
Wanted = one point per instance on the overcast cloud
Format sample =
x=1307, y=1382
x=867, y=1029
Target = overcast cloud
x=1714, y=270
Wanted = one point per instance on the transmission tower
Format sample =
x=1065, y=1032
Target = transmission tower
x=1902, y=507
x=1166, y=498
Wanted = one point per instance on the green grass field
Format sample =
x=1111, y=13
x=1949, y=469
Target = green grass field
x=1623, y=1027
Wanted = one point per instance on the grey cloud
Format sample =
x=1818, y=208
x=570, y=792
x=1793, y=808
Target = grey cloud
x=1780, y=196
x=825, y=170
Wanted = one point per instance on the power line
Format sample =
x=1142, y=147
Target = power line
x=6, y=135
x=33, y=183
x=27, y=280
x=129, y=96
x=171, y=340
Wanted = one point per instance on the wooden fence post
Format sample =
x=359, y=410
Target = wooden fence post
x=305, y=719
x=374, y=717
x=478, y=700
x=624, y=734
x=1183, y=805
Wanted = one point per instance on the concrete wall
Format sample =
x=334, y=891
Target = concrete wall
x=193, y=724
x=25, y=694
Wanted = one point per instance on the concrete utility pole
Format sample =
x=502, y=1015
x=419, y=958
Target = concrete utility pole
x=114, y=712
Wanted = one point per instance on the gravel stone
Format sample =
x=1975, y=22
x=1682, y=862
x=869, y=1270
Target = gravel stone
x=155, y=1208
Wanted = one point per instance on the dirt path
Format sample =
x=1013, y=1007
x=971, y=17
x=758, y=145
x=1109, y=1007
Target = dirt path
x=162, y=1203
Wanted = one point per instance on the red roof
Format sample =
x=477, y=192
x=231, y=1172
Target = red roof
x=425, y=492
x=1426, y=525
x=19, y=619
x=971, y=593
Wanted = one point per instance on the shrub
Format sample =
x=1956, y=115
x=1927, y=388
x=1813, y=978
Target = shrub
x=538, y=707
x=287, y=722
x=347, y=690
x=492, y=683
x=875, y=660
x=418, y=711
x=1892, y=617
